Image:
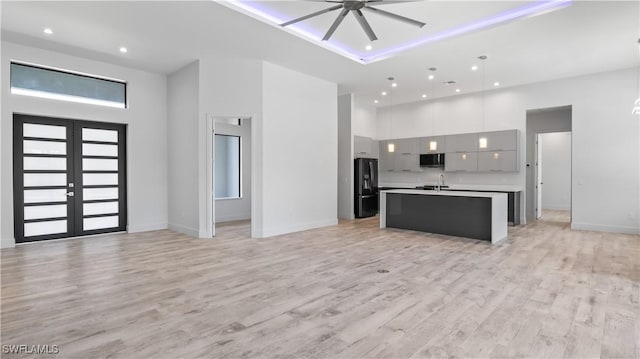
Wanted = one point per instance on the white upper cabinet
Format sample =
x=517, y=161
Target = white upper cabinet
x=498, y=161
x=466, y=142
x=407, y=146
x=386, y=163
x=365, y=147
x=461, y=162
x=404, y=158
x=498, y=141
x=434, y=144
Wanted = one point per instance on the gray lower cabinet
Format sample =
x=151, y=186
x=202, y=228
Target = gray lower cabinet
x=498, y=161
x=461, y=162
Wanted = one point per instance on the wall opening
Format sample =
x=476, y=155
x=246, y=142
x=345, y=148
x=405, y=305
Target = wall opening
x=556, y=122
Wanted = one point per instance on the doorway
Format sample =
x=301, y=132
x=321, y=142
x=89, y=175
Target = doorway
x=539, y=122
x=69, y=178
x=232, y=176
x=553, y=180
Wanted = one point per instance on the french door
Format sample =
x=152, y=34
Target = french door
x=69, y=178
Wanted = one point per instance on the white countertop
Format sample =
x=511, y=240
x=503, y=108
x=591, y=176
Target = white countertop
x=460, y=186
x=446, y=193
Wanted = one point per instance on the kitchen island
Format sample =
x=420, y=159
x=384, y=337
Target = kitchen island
x=513, y=193
x=479, y=215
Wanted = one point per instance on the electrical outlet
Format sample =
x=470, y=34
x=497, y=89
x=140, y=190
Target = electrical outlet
x=631, y=215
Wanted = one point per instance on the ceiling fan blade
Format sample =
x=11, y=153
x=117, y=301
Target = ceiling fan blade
x=335, y=24
x=364, y=24
x=391, y=15
x=386, y=2
x=336, y=7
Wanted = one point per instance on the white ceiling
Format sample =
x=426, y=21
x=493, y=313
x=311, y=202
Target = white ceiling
x=162, y=36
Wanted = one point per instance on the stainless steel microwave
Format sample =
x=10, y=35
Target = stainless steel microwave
x=432, y=160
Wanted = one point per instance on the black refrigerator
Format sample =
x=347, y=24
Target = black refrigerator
x=366, y=187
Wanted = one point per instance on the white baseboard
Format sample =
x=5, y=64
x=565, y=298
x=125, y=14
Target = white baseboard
x=233, y=217
x=556, y=207
x=147, y=227
x=605, y=228
x=192, y=232
x=7, y=243
x=275, y=231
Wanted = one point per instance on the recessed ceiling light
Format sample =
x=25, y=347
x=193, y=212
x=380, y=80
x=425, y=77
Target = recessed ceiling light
x=496, y=84
x=457, y=90
x=384, y=93
x=123, y=50
x=431, y=77
x=394, y=85
x=474, y=68
x=424, y=95
x=368, y=47
x=375, y=101
x=47, y=31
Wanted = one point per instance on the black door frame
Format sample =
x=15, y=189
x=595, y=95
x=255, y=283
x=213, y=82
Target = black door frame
x=74, y=175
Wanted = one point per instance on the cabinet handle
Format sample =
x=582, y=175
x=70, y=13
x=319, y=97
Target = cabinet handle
x=406, y=153
x=406, y=170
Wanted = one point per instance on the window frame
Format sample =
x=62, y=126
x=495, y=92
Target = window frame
x=240, y=174
x=69, y=98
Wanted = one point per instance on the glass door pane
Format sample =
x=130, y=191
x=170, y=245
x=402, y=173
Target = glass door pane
x=101, y=193
x=43, y=208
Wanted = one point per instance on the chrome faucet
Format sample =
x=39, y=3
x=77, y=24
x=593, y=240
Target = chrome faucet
x=440, y=182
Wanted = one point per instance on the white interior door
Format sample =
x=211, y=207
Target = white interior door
x=538, y=176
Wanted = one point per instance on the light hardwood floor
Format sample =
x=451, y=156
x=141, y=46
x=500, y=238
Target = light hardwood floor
x=545, y=292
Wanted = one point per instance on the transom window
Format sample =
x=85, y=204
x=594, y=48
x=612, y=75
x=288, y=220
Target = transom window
x=37, y=81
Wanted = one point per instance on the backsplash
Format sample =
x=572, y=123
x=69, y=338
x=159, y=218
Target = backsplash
x=430, y=176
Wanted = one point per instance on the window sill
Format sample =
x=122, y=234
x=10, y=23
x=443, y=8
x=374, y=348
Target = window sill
x=228, y=198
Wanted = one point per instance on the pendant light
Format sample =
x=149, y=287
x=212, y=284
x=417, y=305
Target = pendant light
x=433, y=145
x=391, y=147
x=482, y=140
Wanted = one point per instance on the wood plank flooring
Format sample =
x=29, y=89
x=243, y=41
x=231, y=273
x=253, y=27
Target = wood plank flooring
x=545, y=292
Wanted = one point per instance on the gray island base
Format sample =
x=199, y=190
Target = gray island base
x=478, y=215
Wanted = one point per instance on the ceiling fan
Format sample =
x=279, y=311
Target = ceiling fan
x=356, y=7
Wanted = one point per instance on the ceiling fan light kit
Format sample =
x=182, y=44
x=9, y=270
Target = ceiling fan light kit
x=355, y=7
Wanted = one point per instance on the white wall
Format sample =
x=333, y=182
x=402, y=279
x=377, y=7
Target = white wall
x=146, y=120
x=364, y=118
x=556, y=170
x=231, y=88
x=345, y=157
x=300, y=151
x=182, y=104
x=234, y=209
x=294, y=143
x=606, y=199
